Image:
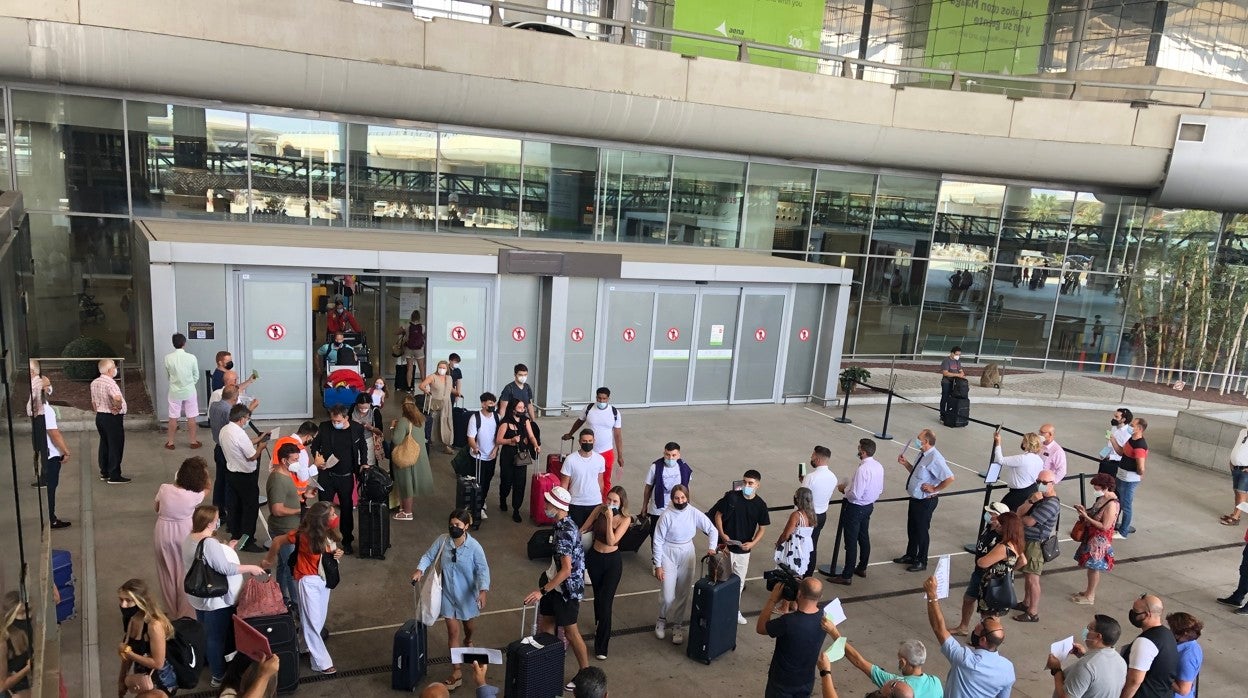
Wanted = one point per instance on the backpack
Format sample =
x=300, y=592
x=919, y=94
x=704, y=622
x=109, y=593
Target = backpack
x=345, y=356
x=187, y=651
x=614, y=412
x=415, y=336
x=497, y=422
x=375, y=485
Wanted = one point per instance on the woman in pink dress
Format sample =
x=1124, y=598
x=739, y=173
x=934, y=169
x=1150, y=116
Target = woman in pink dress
x=175, y=503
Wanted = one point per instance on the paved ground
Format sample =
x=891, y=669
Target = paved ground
x=1180, y=552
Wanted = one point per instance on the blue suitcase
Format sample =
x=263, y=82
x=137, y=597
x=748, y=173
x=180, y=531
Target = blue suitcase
x=713, y=619
x=411, y=652
x=534, y=664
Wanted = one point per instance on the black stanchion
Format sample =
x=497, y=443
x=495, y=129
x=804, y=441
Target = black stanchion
x=888, y=406
x=1083, y=492
x=843, y=419
x=830, y=569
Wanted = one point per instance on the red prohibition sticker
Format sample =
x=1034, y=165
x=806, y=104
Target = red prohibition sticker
x=803, y=334
x=629, y=334
x=760, y=334
x=275, y=331
x=577, y=334
x=459, y=333
x=673, y=334
x=518, y=334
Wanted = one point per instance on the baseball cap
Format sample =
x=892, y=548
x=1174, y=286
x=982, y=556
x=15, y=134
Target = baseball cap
x=997, y=508
x=559, y=498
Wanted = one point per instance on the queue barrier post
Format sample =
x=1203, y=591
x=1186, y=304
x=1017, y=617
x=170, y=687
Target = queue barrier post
x=888, y=407
x=843, y=419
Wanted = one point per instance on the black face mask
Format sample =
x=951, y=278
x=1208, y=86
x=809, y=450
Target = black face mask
x=488, y=408
x=455, y=531
x=973, y=640
x=587, y=447
x=681, y=505
x=1114, y=423
x=229, y=365
x=521, y=416
x=1137, y=618
x=127, y=614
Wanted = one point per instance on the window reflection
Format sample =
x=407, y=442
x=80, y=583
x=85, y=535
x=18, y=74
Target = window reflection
x=842, y=212
x=635, y=190
x=706, y=202
x=1106, y=229
x=559, y=182
x=777, y=209
x=479, y=183
x=70, y=152
x=393, y=177
x=297, y=170
x=905, y=209
x=1167, y=231
x=1088, y=323
x=187, y=162
x=5, y=182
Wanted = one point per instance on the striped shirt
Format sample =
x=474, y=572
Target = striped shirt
x=103, y=390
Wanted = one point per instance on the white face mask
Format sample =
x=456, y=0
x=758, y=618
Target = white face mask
x=521, y=379
x=441, y=371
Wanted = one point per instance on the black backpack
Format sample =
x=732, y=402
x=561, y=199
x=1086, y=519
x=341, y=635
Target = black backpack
x=345, y=356
x=187, y=651
x=375, y=485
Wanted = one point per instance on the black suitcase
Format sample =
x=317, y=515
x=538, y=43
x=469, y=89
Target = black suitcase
x=636, y=534
x=542, y=543
x=713, y=620
x=410, y=660
x=961, y=388
x=374, y=530
x=468, y=496
x=400, y=378
x=535, y=664
x=459, y=420
x=280, y=631
x=958, y=413
x=366, y=369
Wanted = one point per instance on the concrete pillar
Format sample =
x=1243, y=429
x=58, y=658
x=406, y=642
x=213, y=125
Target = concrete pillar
x=832, y=331
x=164, y=324
x=551, y=348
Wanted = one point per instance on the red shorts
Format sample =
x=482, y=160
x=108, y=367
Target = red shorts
x=609, y=457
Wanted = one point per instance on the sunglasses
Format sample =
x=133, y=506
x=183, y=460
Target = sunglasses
x=454, y=554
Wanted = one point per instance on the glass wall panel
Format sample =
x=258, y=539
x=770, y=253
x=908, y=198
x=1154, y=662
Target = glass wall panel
x=479, y=181
x=635, y=189
x=960, y=271
x=777, y=208
x=1017, y=317
x=842, y=215
x=1106, y=230
x=5, y=182
x=1169, y=231
x=559, y=184
x=82, y=277
x=71, y=152
x=1035, y=221
x=393, y=177
x=905, y=209
x=187, y=162
x=297, y=170
x=1088, y=323
x=890, y=290
x=1234, y=248
x=706, y=202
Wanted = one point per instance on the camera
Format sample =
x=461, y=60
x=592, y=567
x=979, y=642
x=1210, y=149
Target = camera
x=786, y=577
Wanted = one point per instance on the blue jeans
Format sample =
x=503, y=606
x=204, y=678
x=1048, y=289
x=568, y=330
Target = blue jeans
x=219, y=636
x=285, y=576
x=1242, y=589
x=1126, y=497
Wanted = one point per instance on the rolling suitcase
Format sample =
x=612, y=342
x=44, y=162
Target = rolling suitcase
x=468, y=495
x=280, y=631
x=459, y=422
x=374, y=530
x=961, y=388
x=636, y=534
x=554, y=461
x=713, y=619
x=542, y=544
x=958, y=414
x=535, y=664
x=411, y=652
x=539, y=485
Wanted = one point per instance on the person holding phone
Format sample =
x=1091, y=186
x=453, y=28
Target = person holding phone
x=242, y=455
x=465, y=583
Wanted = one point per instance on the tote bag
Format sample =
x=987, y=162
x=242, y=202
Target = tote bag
x=431, y=591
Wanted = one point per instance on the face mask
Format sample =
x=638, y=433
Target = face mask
x=488, y=408
x=521, y=416
x=615, y=508
x=1137, y=618
x=379, y=385
x=550, y=514
x=333, y=522
x=681, y=505
x=455, y=532
x=521, y=379
x=229, y=365
x=973, y=640
x=587, y=447
x=1098, y=493
x=341, y=310
x=602, y=405
x=127, y=614
x=747, y=491
x=1083, y=636
x=957, y=357
x=987, y=518
x=441, y=371
x=1114, y=423
x=918, y=444
x=339, y=425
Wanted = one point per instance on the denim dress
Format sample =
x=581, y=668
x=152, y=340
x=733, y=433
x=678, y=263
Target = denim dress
x=465, y=573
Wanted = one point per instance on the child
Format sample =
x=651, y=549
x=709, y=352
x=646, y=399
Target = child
x=378, y=393
x=15, y=638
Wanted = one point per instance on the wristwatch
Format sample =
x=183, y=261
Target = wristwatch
x=825, y=672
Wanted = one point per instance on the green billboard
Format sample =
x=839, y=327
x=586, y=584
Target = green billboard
x=986, y=36
x=791, y=23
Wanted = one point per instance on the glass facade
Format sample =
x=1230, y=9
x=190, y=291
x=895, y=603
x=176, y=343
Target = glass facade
x=1025, y=272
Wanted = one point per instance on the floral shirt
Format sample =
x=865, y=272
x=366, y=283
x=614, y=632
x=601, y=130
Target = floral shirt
x=568, y=542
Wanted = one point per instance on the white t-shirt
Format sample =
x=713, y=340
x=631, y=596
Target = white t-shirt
x=1122, y=434
x=1239, y=452
x=243, y=398
x=49, y=420
x=604, y=423
x=583, y=472
x=822, y=485
x=483, y=434
x=671, y=478
x=236, y=446
x=1143, y=652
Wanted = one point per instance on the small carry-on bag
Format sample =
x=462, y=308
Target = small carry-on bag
x=713, y=618
x=280, y=632
x=542, y=544
x=411, y=651
x=535, y=664
x=554, y=461
x=468, y=495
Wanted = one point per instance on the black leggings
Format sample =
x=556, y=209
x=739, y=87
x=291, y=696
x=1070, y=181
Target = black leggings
x=511, y=479
x=605, y=570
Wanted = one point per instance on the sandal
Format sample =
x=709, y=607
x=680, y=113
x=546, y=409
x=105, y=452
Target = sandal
x=1027, y=618
x=1228, y=520
x=169, y=446
x=1082, y=600
x=196, y=444
x=454, y=681
x=957, y=631
x=402, y=516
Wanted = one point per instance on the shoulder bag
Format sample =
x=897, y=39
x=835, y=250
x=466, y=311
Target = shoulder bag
x=202, y=581
x=431, y=591
x=405, y=454
x=998, y=592
x=329, y=569
x=1049, y=549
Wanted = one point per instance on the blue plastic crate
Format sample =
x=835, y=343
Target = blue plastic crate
x=65, y=609
x=62, y=568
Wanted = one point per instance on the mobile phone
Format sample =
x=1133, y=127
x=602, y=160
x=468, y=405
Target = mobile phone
x=242, y=541
x=801, y=470
x=737, y=485
x=481, y=659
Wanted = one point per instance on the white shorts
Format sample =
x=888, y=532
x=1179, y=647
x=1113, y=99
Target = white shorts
x=413, y=353
x=188, y=408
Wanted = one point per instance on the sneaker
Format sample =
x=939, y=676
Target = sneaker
x=1230, y=601
x=741, y=620
x=39, y=484
x=484, y=515
x=118, y=480
x=103, y=478
x=1242, y=611
x=678, y=635
x=660, y=629
x=601, y=657
x=58, y=523
x=571, y=687
x=216, y=683
x=502, y=506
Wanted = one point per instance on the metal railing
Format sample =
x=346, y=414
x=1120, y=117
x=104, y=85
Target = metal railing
x=624, y=31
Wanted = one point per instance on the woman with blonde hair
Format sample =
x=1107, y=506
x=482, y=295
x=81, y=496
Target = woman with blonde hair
x=175, y=503
x=145, y=667
x=440, y=393
x=15, y=637
x=412, y=477
x=316, y=537
x=1019, y=472
x=608, y=523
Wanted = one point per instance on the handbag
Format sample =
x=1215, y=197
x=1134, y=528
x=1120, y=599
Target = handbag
x=259, y=598
x=431, y=591
x=329, y=570
x=396, y=349
x=998, y=592
x=202, y=581
x=1079, y=531
x=406, y=453
x=524, y=458
x=1049, y=549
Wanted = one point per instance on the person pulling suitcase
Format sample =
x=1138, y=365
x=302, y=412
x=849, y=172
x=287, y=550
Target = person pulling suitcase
x=562, y=586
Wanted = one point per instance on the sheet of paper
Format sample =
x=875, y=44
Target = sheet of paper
x=835, y=612
x=331, y=461
x=275, y=433
x=942, y=577
x=1061, y=648
x=1242, y=506
x=457, y=654
x=994, y=473
x=836, y=650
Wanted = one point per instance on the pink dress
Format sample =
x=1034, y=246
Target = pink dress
x=173, y=525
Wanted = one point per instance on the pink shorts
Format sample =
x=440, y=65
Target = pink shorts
x=188, y=408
